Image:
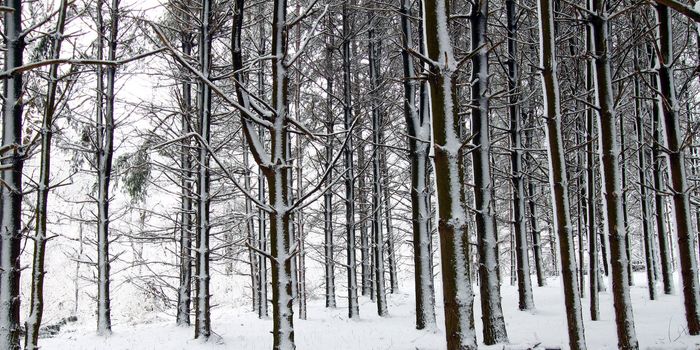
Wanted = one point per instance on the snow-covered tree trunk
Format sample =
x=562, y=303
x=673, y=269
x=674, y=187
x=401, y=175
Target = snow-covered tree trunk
x=536, y=241
x=377, y=234
x=328, y=195
x=591, y=217
x=11, y=191
x=390, y=249
x=202, y=327
x=678, y=186
x=579, y=219
x=250, y=232
x=274, y=164
x=492, y=316
x=525, y=301
x=262, y=223
x=280, y=245
x=623, y=198
x=418, y=127
x=662, y=230
x=298, y=217
x=643, y=185
x=184, y=291
x=557, y=175
x=353, y=303
x=105, y=150
x=362, y=205
x=262, y=245
x=611, y=175
x=590, y=198
x=36, y=304
x=537, y=254
x=252, y=235
x=458, y=297
x=532, y=208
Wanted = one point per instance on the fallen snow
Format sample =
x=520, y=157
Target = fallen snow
x=660, y=325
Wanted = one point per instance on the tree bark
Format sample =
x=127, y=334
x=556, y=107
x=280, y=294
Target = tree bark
x=494, y=330
x=184, y=293
x=11, y=191
x=557, y=176
x=353, y=303
x=328, y=195
x=642, y=169
x=525, y=300
x=202, y=327
x=275, y=166
x=105, y=144
x=611, y=175
x=662, y=230
x=36, y=304
x=678, y=186
x=418, y=127
x=454, y=246
x=377, y=234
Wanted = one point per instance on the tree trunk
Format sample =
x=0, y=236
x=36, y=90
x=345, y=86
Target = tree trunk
x=366, y=251
x=525, y=301
x=591, y=217
x=11, y=191
x=391, y=253
x=36, y=304
x=202, y=327
x=679, y=189
x=625, y=221
x=611, y=175
x=536, y=241
x=184, y=292
x=105, y=142
x=534, y=231
x=452, y=219
x=557, y=176
x=262, y=223
x=377, y=234
x=328, y=195
x=418, y=127
x=353, y=303
x=492, y=316
x=665, y=250
x=644, y=198
x=579, y=218
x=299, y=215
x=250, y=233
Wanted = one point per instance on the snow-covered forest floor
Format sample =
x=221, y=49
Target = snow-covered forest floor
x=660, y=325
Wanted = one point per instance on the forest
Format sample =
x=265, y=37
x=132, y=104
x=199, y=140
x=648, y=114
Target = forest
x=350, y=174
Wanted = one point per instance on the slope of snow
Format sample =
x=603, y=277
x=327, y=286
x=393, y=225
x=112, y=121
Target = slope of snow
x=660, y=325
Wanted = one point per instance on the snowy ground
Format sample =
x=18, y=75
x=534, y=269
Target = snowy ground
x=659, y=325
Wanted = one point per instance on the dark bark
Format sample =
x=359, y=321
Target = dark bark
x=418, y=127
x=643, y=185
x=377, y=234
x=525, y=301
x=494, y=330
x=328, y=195
x=184, y=295
x=458, y=297
x=202, y=326
x=36, y=303
x=353, y=304
x=678, y=186
x=558, y=176
x=611, y=175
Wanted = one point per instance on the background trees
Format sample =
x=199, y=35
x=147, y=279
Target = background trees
x=361, y=117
